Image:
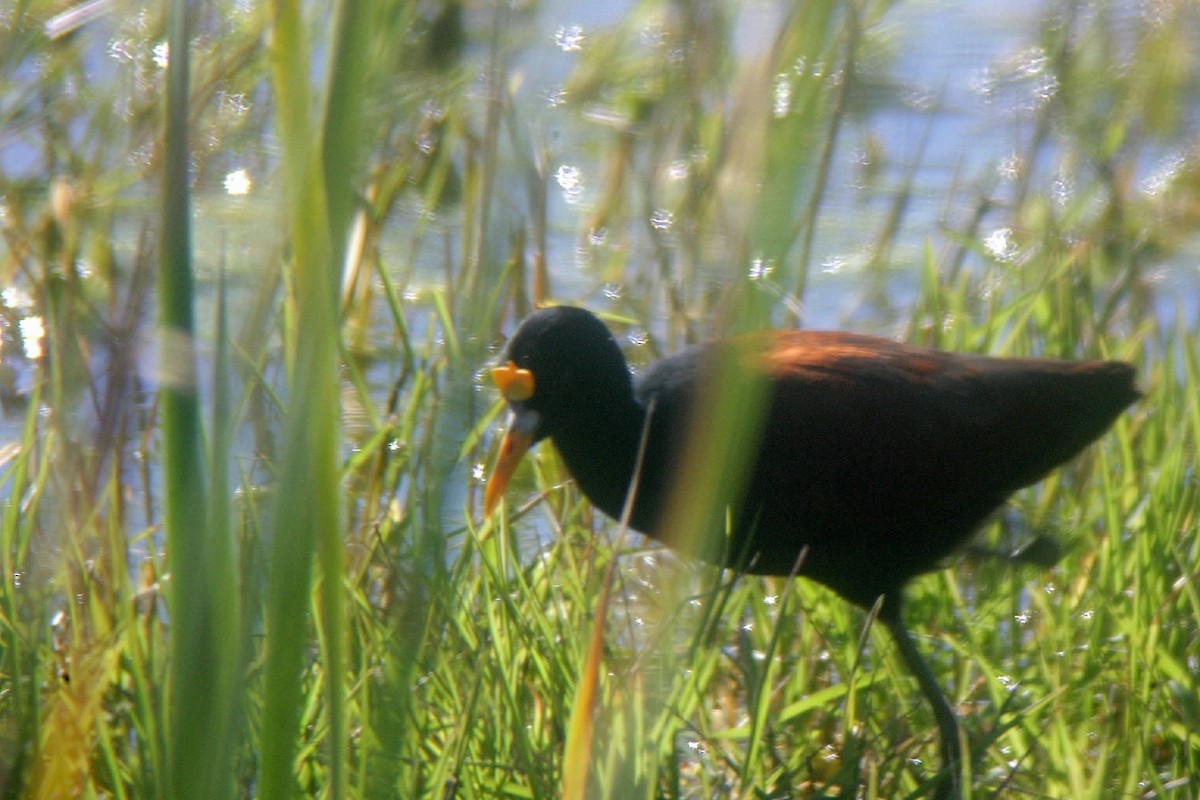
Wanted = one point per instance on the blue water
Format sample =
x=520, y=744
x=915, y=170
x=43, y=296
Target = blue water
x=969, y=79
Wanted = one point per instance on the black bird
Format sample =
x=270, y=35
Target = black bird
x=870, y=463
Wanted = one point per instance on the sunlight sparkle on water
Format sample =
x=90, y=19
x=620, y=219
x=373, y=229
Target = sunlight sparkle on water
x=833, y=265
x=1031, y=62
x=985, y=82
x=238, y=182
x=918, y=99
x=570, y=180
x=1045, y=88
x=1062, y=189
x=33, y=334
x=761, y=268
x=1010, y=168
x=653, y=35
x=999, y=244
x=121, y=50
x=678, y=169
x=1161, y=179
x=234, y=103
x=569, y=38
x=15, y=297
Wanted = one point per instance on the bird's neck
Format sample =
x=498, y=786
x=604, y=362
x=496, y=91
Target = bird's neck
x=601, y=449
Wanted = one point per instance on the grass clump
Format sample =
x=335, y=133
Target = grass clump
x=698, y=171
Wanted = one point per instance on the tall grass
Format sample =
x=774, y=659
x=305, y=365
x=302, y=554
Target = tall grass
x=162, y=629
x=202, y=599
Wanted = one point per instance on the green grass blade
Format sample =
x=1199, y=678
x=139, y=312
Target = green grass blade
x=307, y=505
x=202, y=595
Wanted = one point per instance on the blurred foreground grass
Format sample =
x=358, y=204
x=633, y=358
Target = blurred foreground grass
x=343, y=422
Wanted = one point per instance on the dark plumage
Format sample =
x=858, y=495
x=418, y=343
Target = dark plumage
x=874, y=458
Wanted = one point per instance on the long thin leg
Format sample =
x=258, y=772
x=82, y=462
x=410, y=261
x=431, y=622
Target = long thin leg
x=946, y=721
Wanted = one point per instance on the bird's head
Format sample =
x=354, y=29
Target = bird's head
x=561, y=360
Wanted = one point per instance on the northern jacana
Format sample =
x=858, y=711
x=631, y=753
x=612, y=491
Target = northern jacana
x=872, y=461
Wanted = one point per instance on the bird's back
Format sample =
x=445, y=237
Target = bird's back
x=878, y=459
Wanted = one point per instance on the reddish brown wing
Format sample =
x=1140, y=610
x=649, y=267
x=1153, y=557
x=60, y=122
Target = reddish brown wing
x=1011, y=419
